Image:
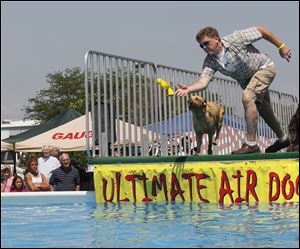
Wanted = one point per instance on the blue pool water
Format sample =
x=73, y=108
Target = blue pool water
x=150, y=225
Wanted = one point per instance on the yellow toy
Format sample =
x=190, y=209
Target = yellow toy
x=165, y=84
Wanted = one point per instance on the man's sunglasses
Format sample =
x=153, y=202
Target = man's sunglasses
x=204, y=44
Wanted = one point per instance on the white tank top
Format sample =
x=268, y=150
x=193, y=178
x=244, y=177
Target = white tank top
x=36, y=179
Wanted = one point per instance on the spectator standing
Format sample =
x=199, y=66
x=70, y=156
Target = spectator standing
x=47, y=163
x=55, y=152
x=18, y=185
x=6, y=178
x=35, y=180
x=66, y=177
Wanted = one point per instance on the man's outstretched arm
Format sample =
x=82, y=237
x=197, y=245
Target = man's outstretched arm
x=195, y=86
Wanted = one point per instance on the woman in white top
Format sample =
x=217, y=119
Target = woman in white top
x=35, y=180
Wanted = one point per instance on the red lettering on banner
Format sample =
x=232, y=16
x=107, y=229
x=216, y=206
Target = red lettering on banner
x=131, y=178
x=57, y=135
x=71, y=135
x=274, y=177
x=68, y=136
x=293, y=188
x=283, y=187
x=238, y=176
x=139, y=177
x=146, y=198
x=118, y=181
x=189, y=176
x=297, y=185
x=104, y=184
x=286, y=187
x=198, y=177
x=250, y=186
x=223, y=191
x=160, y=185
x=76, y=136
x=178, y=191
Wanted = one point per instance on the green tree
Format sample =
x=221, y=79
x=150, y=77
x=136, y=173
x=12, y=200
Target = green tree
x=66, y=90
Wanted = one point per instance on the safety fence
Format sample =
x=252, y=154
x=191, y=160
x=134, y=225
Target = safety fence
x=131, y=115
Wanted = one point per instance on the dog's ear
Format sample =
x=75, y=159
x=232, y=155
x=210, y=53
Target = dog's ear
x=204, y=102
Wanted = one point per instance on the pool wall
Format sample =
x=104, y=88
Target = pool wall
x=38, y=198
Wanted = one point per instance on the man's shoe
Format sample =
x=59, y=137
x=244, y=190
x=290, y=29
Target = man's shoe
x=278, y=145
x=247, y=149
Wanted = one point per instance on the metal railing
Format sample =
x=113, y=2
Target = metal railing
x=133, y=116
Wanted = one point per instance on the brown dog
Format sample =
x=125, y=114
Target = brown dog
x=207, y=118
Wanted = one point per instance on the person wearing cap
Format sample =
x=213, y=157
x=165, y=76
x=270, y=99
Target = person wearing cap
x=7, y=177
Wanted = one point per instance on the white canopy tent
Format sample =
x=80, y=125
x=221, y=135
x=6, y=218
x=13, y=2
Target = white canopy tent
x=70, y=136
x=130, y=133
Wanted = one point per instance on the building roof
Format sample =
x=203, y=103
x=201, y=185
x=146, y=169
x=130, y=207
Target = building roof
x=6, y=123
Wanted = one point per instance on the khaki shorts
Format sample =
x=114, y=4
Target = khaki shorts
x=258, y=87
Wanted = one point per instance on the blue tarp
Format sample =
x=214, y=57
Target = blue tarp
x=173, y=126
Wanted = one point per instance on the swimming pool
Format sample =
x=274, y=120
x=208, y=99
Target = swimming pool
x=75, y=224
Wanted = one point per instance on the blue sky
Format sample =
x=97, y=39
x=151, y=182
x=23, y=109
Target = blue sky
x=38, y=38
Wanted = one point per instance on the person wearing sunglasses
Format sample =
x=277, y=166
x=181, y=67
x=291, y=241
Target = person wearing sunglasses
x=235, y=56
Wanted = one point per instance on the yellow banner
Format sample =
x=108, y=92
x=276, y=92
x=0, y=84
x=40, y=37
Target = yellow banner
x=211, y=182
